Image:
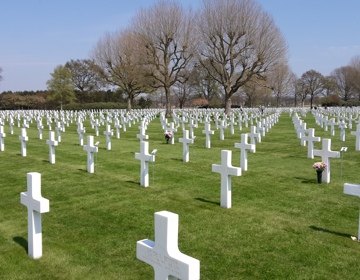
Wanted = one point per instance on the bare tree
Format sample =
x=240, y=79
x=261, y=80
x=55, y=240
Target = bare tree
x=355, y=63
x=168, y=42
x=280, y=81
x=118, y=63
x=329, y=85
x=255, y=90
x=240, y=40
x=344, y=81
x=300, y=92
x=312, y=84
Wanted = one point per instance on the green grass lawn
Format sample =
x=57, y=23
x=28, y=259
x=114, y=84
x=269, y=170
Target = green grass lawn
x=282, y=224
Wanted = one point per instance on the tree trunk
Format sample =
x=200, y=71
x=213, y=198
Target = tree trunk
x=167, y=101
x=128, y=105
x=227, y=104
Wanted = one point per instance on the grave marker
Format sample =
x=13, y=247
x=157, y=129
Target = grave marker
x=108, y=133
x=353, y=189
x=23, y=138
x=36, y=205
x=357, y=134
x=207, y=131
x=226, y=170
x=244, y=146
x=91, y=149
x=52, y=143
x=163, y=254
x=2, y=136
x=186, y=141
x=310, y=138
x=144, y=158
x=325, y=153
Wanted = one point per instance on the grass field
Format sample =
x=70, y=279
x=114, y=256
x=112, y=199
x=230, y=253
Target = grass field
x=282, y=224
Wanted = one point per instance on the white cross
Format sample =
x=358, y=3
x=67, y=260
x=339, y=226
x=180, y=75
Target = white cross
x=310, y=138
x=97, y=125
x=36, y=205
x=325, y=153
x=144, y=158
x=357, y=134
x=163, y=254
x=142, y=136
x=58, y=129
x=192, y=125
x=254, y=136
x=226, y=170
x=332, y=124
x=2, y=136
x=186, y=141
x=244, y=146
x=353, y=189
x=172, y=129
x=108, y=133
x=81, y=130
x=23, y=138
x=52, y=143
x=39, y=127
x=207, y=131
x=301, y=132
x=117, y=126
x=222, y=126
x=91, y=149
x=342, y=125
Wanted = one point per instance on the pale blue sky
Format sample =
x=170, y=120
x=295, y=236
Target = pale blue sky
x=38, y=35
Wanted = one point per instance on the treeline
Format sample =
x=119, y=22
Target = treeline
x=42, y=100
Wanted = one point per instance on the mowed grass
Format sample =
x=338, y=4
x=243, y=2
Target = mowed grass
x=282, y=224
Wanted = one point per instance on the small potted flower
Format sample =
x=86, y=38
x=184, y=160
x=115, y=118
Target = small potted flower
x=319, y=168
x=168, y=136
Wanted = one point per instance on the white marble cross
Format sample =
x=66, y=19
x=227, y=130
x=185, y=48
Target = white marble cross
x=144, y=158
x=108, y=133
x=2, y=136
x=226, y=170
x=207, y=131
x=39, y=127
x=52, y=143
x=142, y=136
x=222, y=126
x=58, y=129
x=23, y=138
x=353, y=189
x=91, y=149
x=81, y=131
x=254, y=136
x=163, y=254
x=325, y=153
x=192, y=125
x=36, y=205
x=186, y=141
x=172, y=130
x=342, y=125
x=310, y=138
x=97, y=125
x=357, y=134
x=244, y=146
x=117, y=126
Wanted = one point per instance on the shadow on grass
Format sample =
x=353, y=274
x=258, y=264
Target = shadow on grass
x=306, y=180
x=330, y=231
x=22, y=242
x=177, y=159
x=83, y=170
x=207, y=201
x=133, y=182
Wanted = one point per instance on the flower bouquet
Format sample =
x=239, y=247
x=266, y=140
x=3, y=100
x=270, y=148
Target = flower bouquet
x=319, y=167
x=168, y=136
